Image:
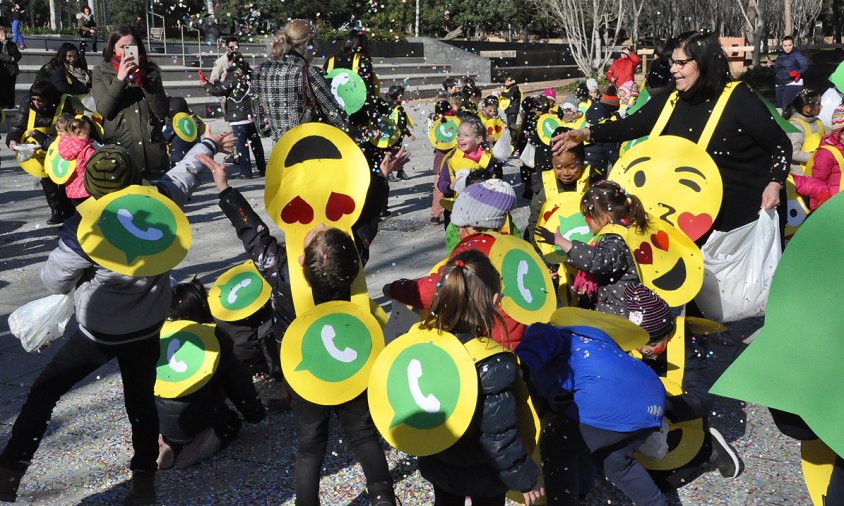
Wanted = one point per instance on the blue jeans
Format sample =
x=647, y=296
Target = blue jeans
x=17, y=38
x=247, y=135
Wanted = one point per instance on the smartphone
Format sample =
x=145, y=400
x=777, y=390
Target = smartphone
x=131, y=51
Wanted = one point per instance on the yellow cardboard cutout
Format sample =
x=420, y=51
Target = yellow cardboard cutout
x=797, y=210
x=238, y=293
x=328, y=352
x=57, y=168
x=189, y=357
x=527, y=289
x=185, y=127
x=626, y=334
x=443, y=133
x=135, y=231
x=817, y=464
x=423, y=391
x=676, y=180
x=494, y=127
x=316, y=175
x=562, y=214
x=546, y=125
x=388, y=132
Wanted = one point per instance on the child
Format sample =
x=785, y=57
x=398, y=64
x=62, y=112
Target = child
x=329, y=269
x=395, y=97
x=196, y=426
x=533, y=108
x=472, y=98
x=513, y=95
x=238, y=111
x=550, y=95
x=481, y=207
x=626, y=96
x=76, y=144
x=489, y=115
x=803, y=112
x=571, y=116
x=179, y=145
x=606, y=404
x=489, y=459
x=828, y=162
x=606, y=265
x=443, y=108
x=472, y=153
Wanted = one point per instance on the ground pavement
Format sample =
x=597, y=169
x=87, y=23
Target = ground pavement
x=84, y=457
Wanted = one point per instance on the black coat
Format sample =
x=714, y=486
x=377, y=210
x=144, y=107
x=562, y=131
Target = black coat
x=238, y=92
x=10, y=55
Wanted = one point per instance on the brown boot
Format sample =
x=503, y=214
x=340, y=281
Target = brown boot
x=9, y=482
x=141, y=490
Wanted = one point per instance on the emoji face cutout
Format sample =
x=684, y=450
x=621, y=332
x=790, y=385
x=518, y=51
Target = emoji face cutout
x=443, y=132
x=797, y=210
x=57, y=168
x=669, y=262
x=423, y=390
x=135, y=231
x=189, y=356
x=677, y=181
x=562, y=214
x=545, y=126
x=348, y=89
x=327, y=352
x=238, y=293
x=494, y=127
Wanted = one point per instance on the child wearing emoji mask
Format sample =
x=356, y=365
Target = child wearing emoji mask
x=329, y=270
x=606, y=264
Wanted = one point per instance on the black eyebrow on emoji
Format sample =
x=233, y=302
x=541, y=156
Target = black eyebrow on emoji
x=636, y=162
x=686, y=182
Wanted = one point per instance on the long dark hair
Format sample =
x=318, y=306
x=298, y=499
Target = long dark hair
x=705, y=49
x=190, y=302
x=807, y=96
x=356, y=42
x=65, y=48
x=116, y=35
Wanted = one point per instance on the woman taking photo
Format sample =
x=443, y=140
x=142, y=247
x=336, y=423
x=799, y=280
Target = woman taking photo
x=131, y=99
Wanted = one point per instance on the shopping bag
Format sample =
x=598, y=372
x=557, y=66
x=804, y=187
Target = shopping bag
x=502, y=148
x=738, y=267
x=38, y=322
x=528, y=155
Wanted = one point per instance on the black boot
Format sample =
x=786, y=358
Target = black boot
x=9, y=482
x=141, y=489
x=60, y=206
x=381, y=493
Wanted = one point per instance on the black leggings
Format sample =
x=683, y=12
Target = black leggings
x=312, y=440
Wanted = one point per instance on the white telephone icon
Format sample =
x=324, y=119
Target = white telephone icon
x=151, y=234
x=232, y=296
x=521, y=272
x=582, y=230
x=177, y=365
x=345, y=355
x=339, y=80
x=446, y=133
x=429, y=403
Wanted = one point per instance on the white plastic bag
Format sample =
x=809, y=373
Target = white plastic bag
x=38, y=322
x=738, y=267
x=502, y=148
x=528, y=155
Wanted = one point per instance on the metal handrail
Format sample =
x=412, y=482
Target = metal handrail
x=163, y=28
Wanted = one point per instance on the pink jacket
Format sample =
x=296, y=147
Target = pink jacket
x=80, y=150
x=825, y=180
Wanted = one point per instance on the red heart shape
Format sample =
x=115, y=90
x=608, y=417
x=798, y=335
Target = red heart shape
x=498, y=128
x=338, y=205
x=490, y=131
x=548, y=214
x=644, y=253
x=297, y=211
x=660, y=240
x=694, y=226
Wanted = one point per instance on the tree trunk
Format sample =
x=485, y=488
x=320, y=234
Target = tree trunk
x=789, y=26
x=836, y=21
x=55, y=16
x=759, y=32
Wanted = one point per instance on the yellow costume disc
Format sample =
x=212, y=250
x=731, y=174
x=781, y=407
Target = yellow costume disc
x=797, y=211
x=423, y=391
x=238, y=293
x=35, y=165
x=676, y=180
x=388, y=133
x=528, y=292
x=135, y=231
x=189, y=357
x=562, y=214
x=817, y=463
x=185, y=127
x=327, y=353
x=443, y=132
x=494, y=127
x=546, y=125
x=626, y=334
x=57, y=168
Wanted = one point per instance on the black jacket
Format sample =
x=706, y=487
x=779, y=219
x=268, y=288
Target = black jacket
x=238, y=92
x=10, y=55
x=489, y=458
x=43, y=118
x=67, y=83
x=515, y=96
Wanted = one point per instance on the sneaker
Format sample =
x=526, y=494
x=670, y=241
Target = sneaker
x=435, y=220
x=206, y=444
x=10, y=480
x=723, y=456
x=141, y=489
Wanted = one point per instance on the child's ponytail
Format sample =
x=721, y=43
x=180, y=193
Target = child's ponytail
x=636, y=213
x=608, y=197
x=464, y=302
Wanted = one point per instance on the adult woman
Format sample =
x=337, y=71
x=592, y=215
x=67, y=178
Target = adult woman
x=87, y=27
x=131, y=99
x=10, y=55
x=17, y=19
x=67, y=71
x=36, y=125
x=279, y=95
x=751, y=151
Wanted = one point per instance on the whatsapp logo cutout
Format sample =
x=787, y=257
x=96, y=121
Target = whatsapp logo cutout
x=181, y=356
x=523, y=280
x=423, y=386
x=241, y=291
x=189, y=355
x=348, y=88
x=335, y=347
x=138, y=225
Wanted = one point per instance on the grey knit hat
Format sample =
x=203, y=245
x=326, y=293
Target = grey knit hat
x=110, y=169
x=484, y=205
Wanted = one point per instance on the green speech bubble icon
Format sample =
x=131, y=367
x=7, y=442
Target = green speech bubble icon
x=423, y=386
x=549, y=125
x=445, y=131
x=523, y=280
x=575, y=228
x=240, y=291
x=348, y=88
x=60, y=166
x=138, y=225
x=187, y=126
x=335, y=347
x=182, y=355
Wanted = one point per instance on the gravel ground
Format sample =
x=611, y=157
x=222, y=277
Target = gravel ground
x=84, y=457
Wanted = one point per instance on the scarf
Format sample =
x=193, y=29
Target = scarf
x=137, y=76
x=80, y=74
x=476, y=156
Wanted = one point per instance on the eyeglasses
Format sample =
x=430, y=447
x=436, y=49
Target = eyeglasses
x=680, y=63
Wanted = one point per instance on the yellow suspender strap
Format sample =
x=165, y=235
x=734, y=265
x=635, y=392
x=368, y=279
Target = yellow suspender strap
x=482, y=348
x=549, y=183
x=714, y=117
x=665, y=115
x=805, y=126
x=819, y=124
x=839, y=159
x=356, y=63
x=330, y=64
x=583, y=182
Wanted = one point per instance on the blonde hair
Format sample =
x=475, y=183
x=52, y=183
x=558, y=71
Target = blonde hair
x=294, y=35
x=63, y=123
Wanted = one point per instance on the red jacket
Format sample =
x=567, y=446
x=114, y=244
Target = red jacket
x=826, y=174
x=623, y=69
x=419, y=293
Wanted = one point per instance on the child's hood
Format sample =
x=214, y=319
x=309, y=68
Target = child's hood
x=833, y=140
x=70, y=147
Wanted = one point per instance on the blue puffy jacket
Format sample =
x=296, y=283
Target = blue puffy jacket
x=788, y=62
